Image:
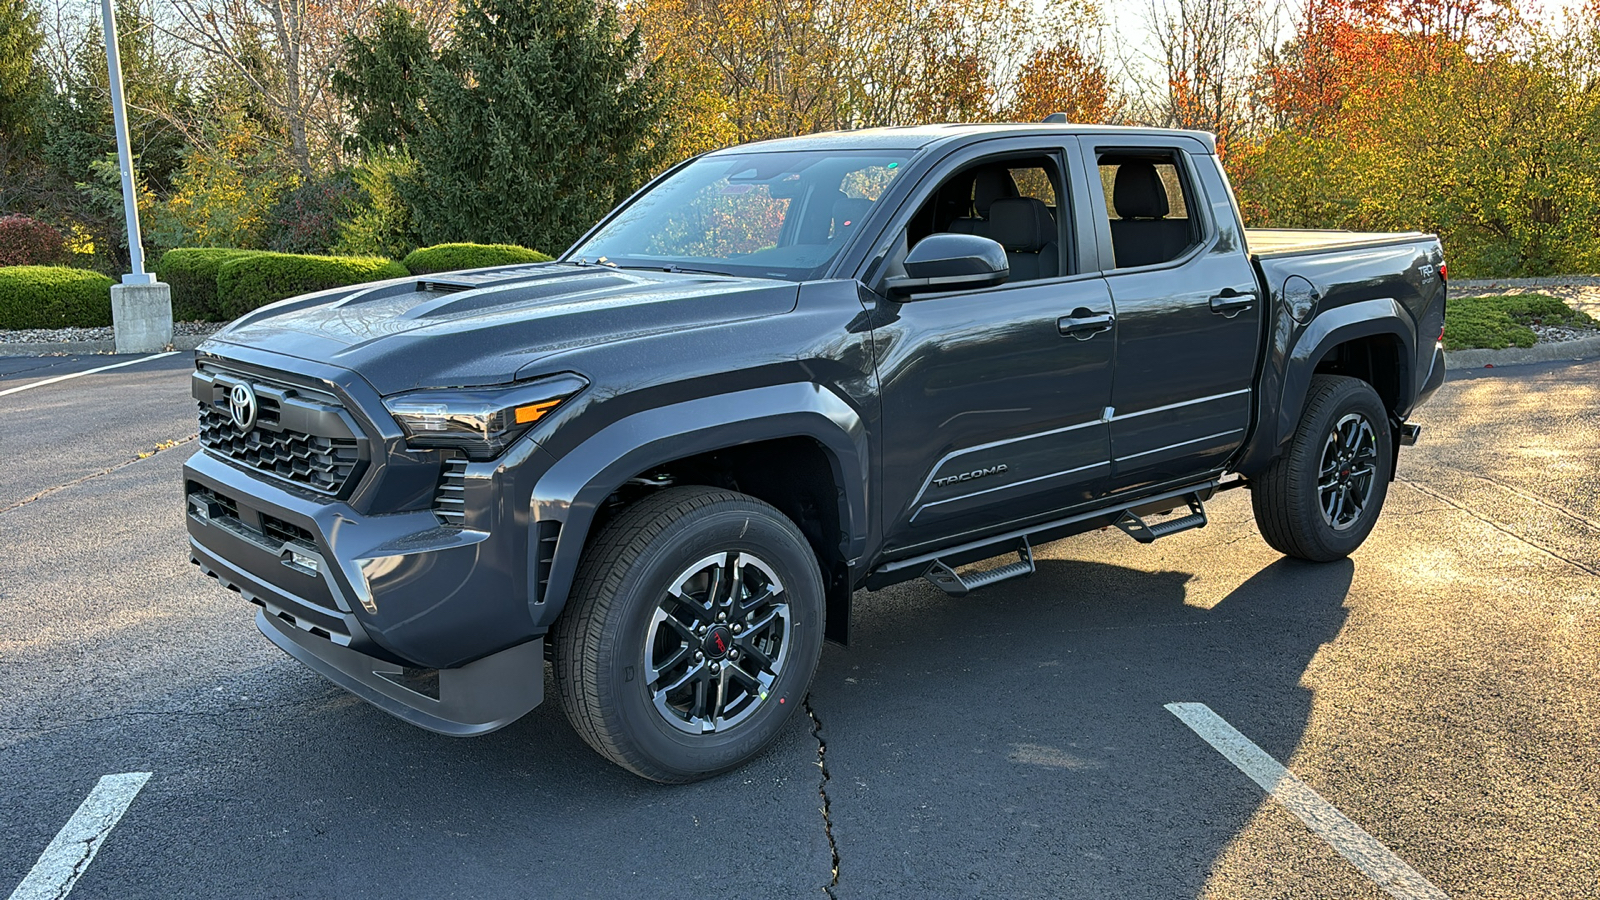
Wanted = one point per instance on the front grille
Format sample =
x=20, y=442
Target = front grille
x=449, y=501
x=300, y=435
x=288, y=532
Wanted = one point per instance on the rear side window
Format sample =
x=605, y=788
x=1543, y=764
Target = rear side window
x=1148, y=199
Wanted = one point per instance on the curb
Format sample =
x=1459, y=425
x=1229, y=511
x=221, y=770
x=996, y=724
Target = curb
x=1582, y=348
x=85, y=348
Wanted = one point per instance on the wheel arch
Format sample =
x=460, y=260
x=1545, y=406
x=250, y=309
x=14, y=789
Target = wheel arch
x=1371, y=340
x=805, y=427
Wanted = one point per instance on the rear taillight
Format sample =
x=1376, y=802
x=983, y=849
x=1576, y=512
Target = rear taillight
x=1444, y=271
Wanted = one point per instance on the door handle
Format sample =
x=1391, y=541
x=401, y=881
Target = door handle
x=1083, y=324
x=1230, y=302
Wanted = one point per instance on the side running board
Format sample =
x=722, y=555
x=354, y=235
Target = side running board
x=945, y=578
x=1146, y=532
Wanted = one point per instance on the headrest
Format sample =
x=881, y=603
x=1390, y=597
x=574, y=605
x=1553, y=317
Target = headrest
x=1022, y=224
x=847, y=214
x=1138, y=192
x=991, y=185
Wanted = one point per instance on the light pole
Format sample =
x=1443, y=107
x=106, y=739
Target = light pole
x=141, y=307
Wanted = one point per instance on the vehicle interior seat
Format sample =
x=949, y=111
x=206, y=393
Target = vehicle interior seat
x=990, y=185
x=1142, y=235
x=816, y=220
x=847, y=215
x=1024, y=226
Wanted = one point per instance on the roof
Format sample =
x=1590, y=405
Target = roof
x=916, y=137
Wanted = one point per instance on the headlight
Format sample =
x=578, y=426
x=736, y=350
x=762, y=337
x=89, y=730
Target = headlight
x=479, y=422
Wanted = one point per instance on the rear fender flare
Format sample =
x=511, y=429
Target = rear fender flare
x=1365, y=318
x=570, y=492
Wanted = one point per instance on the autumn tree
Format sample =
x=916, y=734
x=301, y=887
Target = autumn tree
x=752, y=69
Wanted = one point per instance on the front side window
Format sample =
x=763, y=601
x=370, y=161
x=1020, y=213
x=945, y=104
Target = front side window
x=771, y=215
x=1014, y=202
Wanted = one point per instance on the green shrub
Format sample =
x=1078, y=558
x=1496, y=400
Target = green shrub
x=378, y=222
x=1494, y=323
x=192, y=274
x=53, y=297
x=253, y=281
x=454, y=257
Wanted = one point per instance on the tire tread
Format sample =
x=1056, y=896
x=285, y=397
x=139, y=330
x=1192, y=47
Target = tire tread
x=601, y=570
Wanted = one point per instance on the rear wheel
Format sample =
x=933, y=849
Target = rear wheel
x=693, y=631
x=1321, y=499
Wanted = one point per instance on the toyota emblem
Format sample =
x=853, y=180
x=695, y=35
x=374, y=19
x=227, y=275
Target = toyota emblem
x=242, y=406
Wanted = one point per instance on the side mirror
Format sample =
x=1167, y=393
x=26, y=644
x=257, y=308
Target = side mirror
x=950, y=262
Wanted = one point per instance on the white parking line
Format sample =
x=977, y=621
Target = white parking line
x=74, y=847
x=1374, y=860
x=126, y=362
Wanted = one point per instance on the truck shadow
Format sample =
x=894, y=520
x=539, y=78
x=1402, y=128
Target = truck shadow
x=1010, y=744
x=1015, y=742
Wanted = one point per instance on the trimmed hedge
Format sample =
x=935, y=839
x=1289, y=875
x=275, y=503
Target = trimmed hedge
x=53, y=297
x=454, y=257
x=253, y=281
x=192, y=275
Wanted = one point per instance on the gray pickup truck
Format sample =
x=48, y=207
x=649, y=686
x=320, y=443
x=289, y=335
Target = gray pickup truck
x=779, y=374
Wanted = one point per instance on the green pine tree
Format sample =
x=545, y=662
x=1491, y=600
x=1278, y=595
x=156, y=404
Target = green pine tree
x=381, y=80
x=22, y=84
x=540, y=117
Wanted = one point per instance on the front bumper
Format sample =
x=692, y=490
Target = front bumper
x=360, y=598
x=474, y=699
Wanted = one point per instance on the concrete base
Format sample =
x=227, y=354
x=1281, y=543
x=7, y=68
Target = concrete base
x=141, y=315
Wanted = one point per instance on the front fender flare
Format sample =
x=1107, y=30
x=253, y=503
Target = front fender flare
x=570, y=492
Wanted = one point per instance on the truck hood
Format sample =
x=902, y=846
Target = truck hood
x=483, y=327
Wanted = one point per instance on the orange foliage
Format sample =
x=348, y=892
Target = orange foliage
x=1375, y=47
x=1061, y=78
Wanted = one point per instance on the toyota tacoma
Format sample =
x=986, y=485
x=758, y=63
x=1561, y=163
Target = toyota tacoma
x=779, y=374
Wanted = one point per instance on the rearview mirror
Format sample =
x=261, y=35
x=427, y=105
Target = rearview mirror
x=950, y=262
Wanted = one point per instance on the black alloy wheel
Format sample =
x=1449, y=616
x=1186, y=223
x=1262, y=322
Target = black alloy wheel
x=690, y=634
x=1321, y=498
x=717, y=643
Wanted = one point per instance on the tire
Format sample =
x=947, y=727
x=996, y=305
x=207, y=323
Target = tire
x=642, y=600
x=1343, y=447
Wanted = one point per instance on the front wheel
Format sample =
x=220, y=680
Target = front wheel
x=693, y=631
x=1320, y=500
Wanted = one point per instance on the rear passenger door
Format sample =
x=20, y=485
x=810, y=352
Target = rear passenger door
x=1188, y=318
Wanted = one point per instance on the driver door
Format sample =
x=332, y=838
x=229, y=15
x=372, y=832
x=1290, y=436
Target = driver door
x=993, y=402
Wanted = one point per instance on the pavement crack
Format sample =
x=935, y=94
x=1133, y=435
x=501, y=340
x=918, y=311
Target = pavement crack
x=146, y=454
x=1504, y=529
x=1554, y=507
x=822, y=790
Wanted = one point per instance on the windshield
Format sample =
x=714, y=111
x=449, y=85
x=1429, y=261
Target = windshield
x=770, y=215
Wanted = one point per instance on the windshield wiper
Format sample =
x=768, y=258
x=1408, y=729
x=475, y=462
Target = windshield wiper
x=675, y=269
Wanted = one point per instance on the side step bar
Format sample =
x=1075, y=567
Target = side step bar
x=1146, y=533
x=947, y=579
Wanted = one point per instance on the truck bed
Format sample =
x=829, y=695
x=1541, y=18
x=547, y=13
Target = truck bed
x=1265, y=242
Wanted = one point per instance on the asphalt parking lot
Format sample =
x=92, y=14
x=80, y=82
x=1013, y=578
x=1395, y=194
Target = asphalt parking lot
x=1441, y=689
